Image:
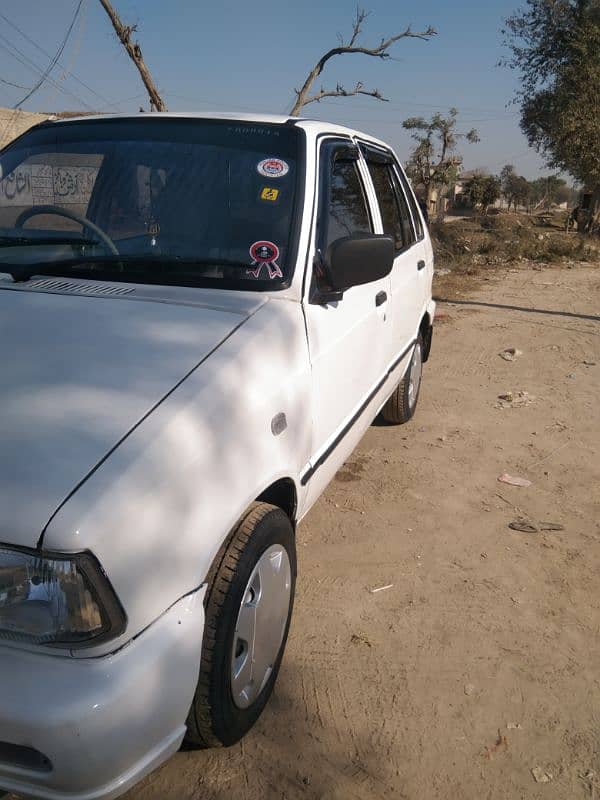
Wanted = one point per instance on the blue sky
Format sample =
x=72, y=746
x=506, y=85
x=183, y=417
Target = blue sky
x=248, y=56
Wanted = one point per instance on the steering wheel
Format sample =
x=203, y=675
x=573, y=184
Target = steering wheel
x=65, y=212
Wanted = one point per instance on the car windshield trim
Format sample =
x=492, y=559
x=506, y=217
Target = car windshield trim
x=16, y=241
x=160, y=266
x=257, y=198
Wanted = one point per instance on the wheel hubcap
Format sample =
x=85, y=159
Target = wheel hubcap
x=260, y=625
x=416, y=368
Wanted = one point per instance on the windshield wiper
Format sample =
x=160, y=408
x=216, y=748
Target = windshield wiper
x=159, y=264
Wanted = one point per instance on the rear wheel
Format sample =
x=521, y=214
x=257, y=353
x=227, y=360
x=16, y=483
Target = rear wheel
x=248, y=611
x=401, y=405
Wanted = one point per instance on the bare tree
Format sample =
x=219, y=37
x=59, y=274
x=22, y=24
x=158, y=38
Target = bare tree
x=135, y=53
x=303, y=95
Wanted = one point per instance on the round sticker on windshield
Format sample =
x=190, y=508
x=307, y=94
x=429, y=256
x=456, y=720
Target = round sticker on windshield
x=272, y=168
x=264, y=253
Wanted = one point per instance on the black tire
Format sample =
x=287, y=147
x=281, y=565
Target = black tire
x=214, y=719
x=402, y=403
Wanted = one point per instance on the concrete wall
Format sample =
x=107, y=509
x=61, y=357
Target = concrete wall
x=14, y=123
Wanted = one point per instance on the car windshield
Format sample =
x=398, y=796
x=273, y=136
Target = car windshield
x=159, y=200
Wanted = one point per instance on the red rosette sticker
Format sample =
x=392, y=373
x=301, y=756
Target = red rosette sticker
x=264, y=253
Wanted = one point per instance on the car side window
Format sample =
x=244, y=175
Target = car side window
x=388, y=204
x=408, y=231
x=412, y=203
x=393, y=206
x=344, y=210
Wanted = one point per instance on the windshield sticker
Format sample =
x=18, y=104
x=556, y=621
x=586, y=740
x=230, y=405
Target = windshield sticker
x=270, y=194
x=272, y=168
x=264, y=254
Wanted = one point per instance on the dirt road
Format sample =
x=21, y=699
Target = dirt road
x=481, y=661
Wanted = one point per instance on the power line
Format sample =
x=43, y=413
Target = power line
x=47, y=54
x=23, y=59
x=402, y=104
x=16, y=85
x=70, y=61
x=53, y=60
x=116, y=103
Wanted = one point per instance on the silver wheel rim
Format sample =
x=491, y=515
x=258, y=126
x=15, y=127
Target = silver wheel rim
x=260, y=625
x=414, y=381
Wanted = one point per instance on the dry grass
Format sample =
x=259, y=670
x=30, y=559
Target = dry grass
x=479, y=242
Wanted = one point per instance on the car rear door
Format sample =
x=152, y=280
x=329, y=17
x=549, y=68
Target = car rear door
x=349, y=337
x=408, y=289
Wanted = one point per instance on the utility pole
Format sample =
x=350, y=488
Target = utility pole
x=135, y=53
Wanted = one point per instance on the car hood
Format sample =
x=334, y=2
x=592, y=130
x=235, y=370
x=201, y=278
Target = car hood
x=78, y=373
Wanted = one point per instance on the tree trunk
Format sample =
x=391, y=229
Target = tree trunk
x=134, y=51
x=429, y=189
x=594, y=226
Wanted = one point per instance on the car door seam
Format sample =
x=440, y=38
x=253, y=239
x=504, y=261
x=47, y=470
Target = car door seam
x=355, y=417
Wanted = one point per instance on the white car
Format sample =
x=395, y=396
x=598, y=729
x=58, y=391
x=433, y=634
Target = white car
x=200, y=316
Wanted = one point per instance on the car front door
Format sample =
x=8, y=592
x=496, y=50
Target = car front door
x=349, y=336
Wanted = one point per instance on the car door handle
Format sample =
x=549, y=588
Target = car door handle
x=420, y=264
x=380, y=298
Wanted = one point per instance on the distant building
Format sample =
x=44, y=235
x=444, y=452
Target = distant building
x=14, y=122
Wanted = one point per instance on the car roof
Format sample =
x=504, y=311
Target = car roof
x=312, y=126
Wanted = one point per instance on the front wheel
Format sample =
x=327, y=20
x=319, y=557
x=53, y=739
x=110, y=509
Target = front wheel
x=401, y=405
x=248, y=611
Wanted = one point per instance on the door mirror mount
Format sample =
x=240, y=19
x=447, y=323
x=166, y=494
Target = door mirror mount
x=324, y=292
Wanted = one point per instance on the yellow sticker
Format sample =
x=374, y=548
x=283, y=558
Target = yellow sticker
x=268, y=193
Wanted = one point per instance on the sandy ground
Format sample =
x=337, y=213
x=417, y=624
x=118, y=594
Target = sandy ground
x=480, y=662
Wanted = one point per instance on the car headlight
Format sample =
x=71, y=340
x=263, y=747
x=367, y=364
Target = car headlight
x=55, y=599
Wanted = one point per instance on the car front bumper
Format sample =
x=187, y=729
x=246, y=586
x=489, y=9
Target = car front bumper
x=100, y=724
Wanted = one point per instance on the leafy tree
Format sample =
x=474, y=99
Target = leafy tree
x=515, y=188
x=507, y=175
x=434, y=162
x=549, y=190
x=483, y=190
x=555, y=45
x=520, y=192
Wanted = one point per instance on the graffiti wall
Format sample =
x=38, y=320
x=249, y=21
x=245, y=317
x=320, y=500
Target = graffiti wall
x=42, y=184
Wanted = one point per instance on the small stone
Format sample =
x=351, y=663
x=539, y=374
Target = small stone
x=508, y=396
x=523, y=525
x=469, y=689
x=510, y=354
x=541, y=776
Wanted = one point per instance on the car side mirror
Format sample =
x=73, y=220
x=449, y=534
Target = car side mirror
x=356, y=260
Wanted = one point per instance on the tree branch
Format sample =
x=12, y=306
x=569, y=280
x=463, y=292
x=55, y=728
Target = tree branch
x=339, y=91
x=135, y=53
x=380, y=51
